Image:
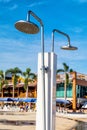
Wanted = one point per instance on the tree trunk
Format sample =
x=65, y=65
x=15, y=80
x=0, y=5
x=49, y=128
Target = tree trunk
x=13, y=78
x=65, y=88
x=2, y=93
x=18, y=92
x=74, y=91
x=13, y=91
x=27, y=92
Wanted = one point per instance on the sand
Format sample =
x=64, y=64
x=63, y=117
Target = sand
x=62, y=123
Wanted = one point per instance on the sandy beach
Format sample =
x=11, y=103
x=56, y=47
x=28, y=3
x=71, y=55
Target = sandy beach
x=27, y=121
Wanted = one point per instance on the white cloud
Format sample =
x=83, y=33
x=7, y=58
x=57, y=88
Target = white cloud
x=23, y=54
x=77, y=29
x=75, y=56
x=18, y=53
x=14, y=7
x=35, y=4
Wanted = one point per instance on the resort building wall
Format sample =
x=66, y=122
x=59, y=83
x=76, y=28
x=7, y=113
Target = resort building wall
x=81, y=91
x=81, y=88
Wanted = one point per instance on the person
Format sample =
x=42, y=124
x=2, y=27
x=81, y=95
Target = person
x=26, y=107
x=21, y=108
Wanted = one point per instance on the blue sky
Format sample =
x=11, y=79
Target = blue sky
x=21, y=50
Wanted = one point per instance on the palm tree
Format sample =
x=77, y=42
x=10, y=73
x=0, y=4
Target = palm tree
x=65, y=70
x=14, y=72
x=1, y=79
x=34, y=77
x=29, y=77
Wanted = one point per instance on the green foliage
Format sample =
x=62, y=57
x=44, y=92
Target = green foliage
x=15, y=77
x=1, y=79
x=65, y=70
x=29, y=77
x=1, y=84
x=14, y=71
x=1, y=74
x=67, y=79
x=25, y=83
x=60, y=70
x=66, y=67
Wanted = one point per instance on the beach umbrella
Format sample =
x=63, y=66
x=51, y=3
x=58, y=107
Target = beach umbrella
x=30, y=100
x=6, y=99
x=15, y=99
x=34, y=100
x=10, y=99
x=84, y=105
x=27, y=100
x=3, y=99
x=62, y=101
x=20, y=99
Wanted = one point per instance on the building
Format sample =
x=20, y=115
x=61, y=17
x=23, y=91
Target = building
x=76, y=90
x=19, y=90
x=78, y=82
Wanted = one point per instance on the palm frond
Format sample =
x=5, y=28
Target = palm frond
x=60, y=70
